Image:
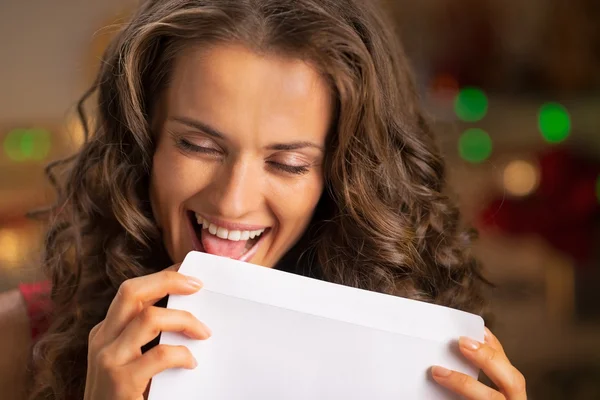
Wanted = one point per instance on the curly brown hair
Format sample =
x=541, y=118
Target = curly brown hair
x=382, y=224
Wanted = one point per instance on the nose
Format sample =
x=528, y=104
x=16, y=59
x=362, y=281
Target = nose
x=236, y=189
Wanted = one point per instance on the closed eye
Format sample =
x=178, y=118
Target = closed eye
x=192, y=148
x=290, y=169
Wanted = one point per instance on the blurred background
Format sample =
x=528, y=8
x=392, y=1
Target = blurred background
x=513, y=89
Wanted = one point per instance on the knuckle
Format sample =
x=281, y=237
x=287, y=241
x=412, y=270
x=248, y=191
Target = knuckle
x=463, y=381
x=93, y=332
x=467, y=383
x=491, y=355
x=150, y=320
x=518, y=384
x=184, y=350
x=162, y=354
x=148, y=316
x=172, y=356
x=127, y=290
x=105, y=360
x=188, y=316
x=94, y=339
x=185, y=355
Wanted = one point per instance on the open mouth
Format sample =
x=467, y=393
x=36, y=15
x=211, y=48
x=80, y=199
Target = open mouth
x=210, y=238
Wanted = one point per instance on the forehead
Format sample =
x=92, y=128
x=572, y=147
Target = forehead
x=241, y=92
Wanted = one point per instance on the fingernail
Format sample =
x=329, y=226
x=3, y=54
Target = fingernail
x=469, y=343
x=440, y=371
x=194, y=364
x=194, y=283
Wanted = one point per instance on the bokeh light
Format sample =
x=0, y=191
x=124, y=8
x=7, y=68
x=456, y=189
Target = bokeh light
x=444, y=87
x=554, y=122
x=27, y=144
x=10, y=247
x=520, y=178
x=471, y=104
x=475, y=145
x=74, y=132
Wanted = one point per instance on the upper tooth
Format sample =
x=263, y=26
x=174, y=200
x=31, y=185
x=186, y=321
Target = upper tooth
x=234, y=235
x=225, y=233
x=256, y=233
x=222, y=233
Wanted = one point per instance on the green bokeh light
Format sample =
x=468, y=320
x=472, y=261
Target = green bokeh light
x=12, y=143
x=471, y=104
x=27, y=144
x=554, y=122
x=475, y=145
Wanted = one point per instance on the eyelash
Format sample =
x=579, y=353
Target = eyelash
x=187, y=146
x=290, y=169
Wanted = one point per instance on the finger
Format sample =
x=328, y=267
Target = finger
x=493, y=341
x=464, y=385
x=495, y=365
x=147, y=326
x=137, y=293
x=160, y=358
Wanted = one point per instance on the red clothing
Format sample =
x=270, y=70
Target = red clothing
x=38, y=305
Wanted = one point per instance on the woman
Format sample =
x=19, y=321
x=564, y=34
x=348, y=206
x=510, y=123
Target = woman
x=285, y=133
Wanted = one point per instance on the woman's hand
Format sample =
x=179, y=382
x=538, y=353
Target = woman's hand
x=116, y=367
x=490, y=357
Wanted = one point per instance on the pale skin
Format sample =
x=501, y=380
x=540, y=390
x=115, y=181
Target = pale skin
x=259, y=105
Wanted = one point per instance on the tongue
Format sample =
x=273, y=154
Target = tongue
x=222, y=247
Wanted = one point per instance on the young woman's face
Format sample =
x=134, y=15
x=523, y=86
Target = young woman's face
x=238, y=166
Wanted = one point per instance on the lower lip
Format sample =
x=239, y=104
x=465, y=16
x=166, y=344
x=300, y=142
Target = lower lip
x=197, y=243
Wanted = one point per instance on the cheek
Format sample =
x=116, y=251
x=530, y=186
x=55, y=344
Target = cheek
x=296, y=203
x=158, y=181
x=171, y=183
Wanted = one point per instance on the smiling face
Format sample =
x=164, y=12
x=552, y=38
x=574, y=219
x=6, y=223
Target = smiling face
x=237, y=170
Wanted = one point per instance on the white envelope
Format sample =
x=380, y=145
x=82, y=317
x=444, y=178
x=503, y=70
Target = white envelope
x=277, y=335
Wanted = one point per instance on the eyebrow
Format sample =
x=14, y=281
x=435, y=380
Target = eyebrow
x=209, y=130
